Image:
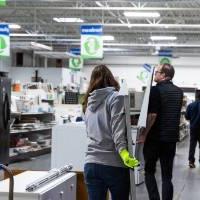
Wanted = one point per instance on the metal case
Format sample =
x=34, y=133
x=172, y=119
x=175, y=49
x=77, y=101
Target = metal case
x=62, y=188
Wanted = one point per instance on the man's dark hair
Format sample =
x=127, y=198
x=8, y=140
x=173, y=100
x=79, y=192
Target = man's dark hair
x=168, y=70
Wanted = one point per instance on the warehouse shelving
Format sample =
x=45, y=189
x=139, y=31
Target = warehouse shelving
x=31, y=136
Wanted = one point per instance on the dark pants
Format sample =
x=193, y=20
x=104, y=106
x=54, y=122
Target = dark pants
x=194, y=138
x=154, y=150
x=101, y=178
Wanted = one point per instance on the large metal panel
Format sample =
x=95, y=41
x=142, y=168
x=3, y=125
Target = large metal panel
x=124, y=92
x=130, y=145
x=134, y=148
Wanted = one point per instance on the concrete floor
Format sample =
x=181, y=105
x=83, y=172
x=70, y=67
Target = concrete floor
x=186, y=181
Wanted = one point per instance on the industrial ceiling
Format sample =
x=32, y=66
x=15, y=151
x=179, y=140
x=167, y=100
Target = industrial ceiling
x=180, y=19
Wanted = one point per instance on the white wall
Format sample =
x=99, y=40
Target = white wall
x=187, y=76
x=56, y=76
x=129, y=73
x=5, y=64
x=127, y=67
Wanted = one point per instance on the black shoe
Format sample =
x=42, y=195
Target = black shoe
x=191, y=165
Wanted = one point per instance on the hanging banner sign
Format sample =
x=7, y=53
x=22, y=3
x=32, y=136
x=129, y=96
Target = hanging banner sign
x=91, y=41
x=144, y=73
x=2, y=3
x=165, y=56
x=75, y=63
x=4, y=40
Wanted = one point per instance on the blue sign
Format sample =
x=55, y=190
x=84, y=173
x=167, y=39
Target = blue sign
x=91, y=30
x=167, y=53
x=147, y=67
x=75, y=51
x=4, y=29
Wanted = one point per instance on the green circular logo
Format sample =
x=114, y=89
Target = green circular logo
x=91, y=45
x=165, y=60
x=76, y=62
x=2, y=44
x=143, y=76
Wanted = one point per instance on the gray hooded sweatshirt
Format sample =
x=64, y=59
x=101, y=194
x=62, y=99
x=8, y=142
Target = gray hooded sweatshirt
x=106, y=127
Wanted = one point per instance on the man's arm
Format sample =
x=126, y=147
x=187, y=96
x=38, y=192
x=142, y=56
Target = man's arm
x=151, y=118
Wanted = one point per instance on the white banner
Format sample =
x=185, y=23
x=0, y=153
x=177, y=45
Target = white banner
x=91, y=41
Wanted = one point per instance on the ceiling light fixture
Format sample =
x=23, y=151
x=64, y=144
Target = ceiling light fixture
x=60, y=19
x=142, y=14
x=163, y=38
x=14, y=26
x=99, y=4
x=41, y=46
x=108, y=38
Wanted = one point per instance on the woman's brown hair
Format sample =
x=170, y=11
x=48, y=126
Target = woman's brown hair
x=101, y=77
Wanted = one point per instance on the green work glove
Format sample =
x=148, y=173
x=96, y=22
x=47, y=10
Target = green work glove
x=128, y=161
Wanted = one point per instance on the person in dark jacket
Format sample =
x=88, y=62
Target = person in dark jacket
x=107, y=159
x=193, y=114
x=162, y=131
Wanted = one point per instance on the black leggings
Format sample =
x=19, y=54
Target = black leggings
x=194, y=138
x=164, y=151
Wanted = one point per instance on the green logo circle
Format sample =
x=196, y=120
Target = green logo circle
x=143, y=76
x=76, y=62
x=165, y=60
x=91, y=45
x=2, y=44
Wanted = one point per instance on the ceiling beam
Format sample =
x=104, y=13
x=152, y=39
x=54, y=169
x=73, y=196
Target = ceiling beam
x=103, y=8
x=152, y=45
x=167, y=26
x=155, y=25
x=178, y=45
